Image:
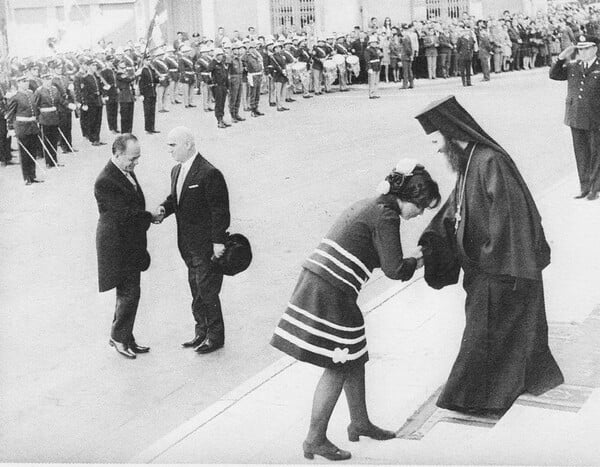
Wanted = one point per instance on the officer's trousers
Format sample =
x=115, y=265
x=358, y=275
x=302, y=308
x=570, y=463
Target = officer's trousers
x=205, y=91
x=94, y=122
x=126, y=116
x=161, y=97
x=65, y=124
x=235, y=93
x=586, y=145
x=373, y=77
x=50, y=138
x=28, y=148
x=220, y=93
x=254, y=91
x=112, y=109
x=149, y=113
x=464, y=65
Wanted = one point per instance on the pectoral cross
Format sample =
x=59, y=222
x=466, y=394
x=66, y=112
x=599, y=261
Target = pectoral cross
x=457, y=219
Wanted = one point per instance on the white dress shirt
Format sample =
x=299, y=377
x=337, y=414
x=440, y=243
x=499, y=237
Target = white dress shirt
x=185, y=168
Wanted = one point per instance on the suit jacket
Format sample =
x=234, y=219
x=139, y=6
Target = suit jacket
x=202, y=212
x=582, y=109
x=121, y=232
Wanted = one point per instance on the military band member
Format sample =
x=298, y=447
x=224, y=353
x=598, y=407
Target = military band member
x=304, y=56
x=5, y=155
x=22, y=123
x=266, y=53
x=329, y=76
x=290, y=58
x=255, y=67
x=318, y=57
x=187, y=75
x=125, y=82
x=91, y=102
x=111, y=93
x=244, y=98
x=147, y=85
x=172, y=62
x=278, y=61
x=236, y=69
x=407, y=55
x=78, y=86
x=162, y=71
x=373, y=60
x=34, y=76
x=64, y=83
x=219, y=76
x=341, y=49
x=46, y=101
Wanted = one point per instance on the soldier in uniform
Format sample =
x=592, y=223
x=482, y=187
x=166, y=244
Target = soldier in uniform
x=219, y=77
x=5, y=154
x=147, y=85
x=172, y=62
x=341, y=49
x=304, y=56
x=187, y=75
x=91, y=102
x=235, y=68
x=266, y=53
x=582, y=112
x=125, y=81
x=373, y=61
x=202, y=64
x=111, y=92
x=290, y=54
x=22, y=123
x=34, y=76
x=47, y=99
x=278, y=61
x=78, y=86
x=464, y=49
x=162, y=71
x=255, y=68
x=244, y=98
x=318, y=56
x=62, y=82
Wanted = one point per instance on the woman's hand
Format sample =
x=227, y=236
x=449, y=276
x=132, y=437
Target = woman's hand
x=417, y=253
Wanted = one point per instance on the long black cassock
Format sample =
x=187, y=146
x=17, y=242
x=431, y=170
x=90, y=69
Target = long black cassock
x=501, y=247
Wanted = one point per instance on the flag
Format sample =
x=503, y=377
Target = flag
x=157, y=31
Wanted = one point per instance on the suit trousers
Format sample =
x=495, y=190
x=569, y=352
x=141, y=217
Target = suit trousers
x=408, y=77
x=586, y=145
x=149, y=113
x=126, y=116
x=65, y=124
x=464, y=65
x=50, y=138
x=128, y=298
x=235, y=94
x=112, y=108
x=205, y=285
x=220, y=93
x=94, y=122
x=28, y=148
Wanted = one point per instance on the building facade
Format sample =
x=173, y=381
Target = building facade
x=77, y=24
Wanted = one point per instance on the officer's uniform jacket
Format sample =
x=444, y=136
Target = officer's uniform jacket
x=20, y=114
x=372, y=58
x=46, y=102
x=109, y=85
x=91, y=90
x=219, y=73
x=319, y=54
x=186, y=70
x=173, y=64
x=582, y=109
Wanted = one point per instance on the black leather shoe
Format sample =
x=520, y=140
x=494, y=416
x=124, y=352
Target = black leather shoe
x=373, y=432
x=581, y=195
x=258, y=113
x=289, y=99
x=195, y=342
x=121, y=348
x=135, y=348
x=272, y=104
x=239, y=119
x=327, y=450
x=208, y=346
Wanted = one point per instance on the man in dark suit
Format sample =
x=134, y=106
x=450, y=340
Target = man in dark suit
x=582, y=111
x=147, y=85
x=121, y=239
x=200, y=202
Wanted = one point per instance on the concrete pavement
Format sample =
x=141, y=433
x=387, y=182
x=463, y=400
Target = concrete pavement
x=413, y=339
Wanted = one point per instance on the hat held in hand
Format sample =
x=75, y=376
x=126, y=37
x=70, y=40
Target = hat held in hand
x=237, y=256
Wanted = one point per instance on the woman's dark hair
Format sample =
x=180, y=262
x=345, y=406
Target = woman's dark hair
x=417, y=188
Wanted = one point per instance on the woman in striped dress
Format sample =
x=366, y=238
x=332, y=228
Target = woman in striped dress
x=323, y=324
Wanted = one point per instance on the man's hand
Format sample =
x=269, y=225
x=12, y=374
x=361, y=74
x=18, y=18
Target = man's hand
x=158, y=215
x=84, y=108
x=218, y=249
x=417, y=253
x=567, y=52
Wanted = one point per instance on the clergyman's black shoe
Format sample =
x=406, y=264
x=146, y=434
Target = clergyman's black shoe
x=135, y=348
x=592, y=195
x=195, y=342
x=583, y=194
x=208, y=346
x=121, y=348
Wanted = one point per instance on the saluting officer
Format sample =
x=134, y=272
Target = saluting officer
x=582, y=111
x=46, y=101
x=22, y=123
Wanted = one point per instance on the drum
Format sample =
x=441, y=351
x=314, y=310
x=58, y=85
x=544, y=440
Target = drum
x=298, y=67
x=329, y=66
x=353, y=64
x=339, y=59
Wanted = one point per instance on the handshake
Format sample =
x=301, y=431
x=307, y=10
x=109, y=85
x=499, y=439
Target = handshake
x=158, y=215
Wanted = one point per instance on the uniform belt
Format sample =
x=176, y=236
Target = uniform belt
x=47, y=109
x=190, y=72
x=373, y=61
x=25, y=119
x=205, y=73
x=173, y=69
x=255, y=73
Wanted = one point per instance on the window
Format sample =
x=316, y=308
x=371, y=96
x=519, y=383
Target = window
x=446, y=8
x=293, y=15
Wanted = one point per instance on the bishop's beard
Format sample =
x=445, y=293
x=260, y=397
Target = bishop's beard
x=456, y=156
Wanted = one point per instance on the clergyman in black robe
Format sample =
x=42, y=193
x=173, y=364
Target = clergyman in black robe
x=491, y=228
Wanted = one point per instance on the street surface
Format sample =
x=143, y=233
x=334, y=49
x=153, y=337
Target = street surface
x=66, y=396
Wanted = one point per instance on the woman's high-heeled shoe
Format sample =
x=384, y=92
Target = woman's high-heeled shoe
x=373, y=432
x=330, y=452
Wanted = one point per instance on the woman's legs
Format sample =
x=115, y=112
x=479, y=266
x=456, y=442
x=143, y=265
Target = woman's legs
x=326, y=396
